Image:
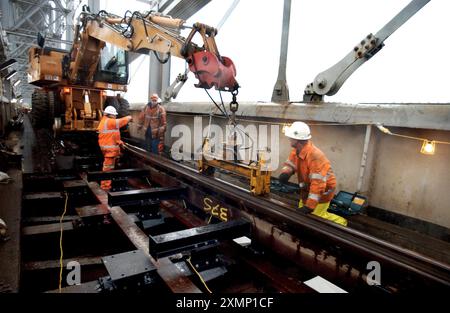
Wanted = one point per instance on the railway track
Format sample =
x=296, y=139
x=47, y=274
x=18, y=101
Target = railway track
x=176, y=228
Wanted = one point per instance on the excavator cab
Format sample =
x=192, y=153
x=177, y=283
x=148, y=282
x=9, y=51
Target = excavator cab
x=112, y=66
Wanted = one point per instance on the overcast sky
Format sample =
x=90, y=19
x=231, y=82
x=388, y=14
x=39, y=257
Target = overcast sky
x=412, y=67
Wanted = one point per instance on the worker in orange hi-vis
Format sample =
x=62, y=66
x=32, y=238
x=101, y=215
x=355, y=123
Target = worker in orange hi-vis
x=315, y=177
x=109, y=139
x=153, y=119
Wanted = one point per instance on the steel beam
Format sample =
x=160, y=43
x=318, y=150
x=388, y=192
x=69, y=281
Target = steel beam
x=47, y=228
x=22, y=34
x=413, y=115
x=25, y=18
x=134, y=197
x=117, y=174
x=189, y=239
x=184, y=9
x=280, y=90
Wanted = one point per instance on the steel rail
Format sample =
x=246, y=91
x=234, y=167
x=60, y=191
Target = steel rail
x=358, y=242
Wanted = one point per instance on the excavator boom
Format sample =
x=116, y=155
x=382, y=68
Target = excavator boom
x=146, y=33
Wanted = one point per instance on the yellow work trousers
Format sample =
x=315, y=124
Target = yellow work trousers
x=321, y=210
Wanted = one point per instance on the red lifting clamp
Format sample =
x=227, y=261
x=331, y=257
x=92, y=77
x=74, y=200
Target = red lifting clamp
x=211, y=71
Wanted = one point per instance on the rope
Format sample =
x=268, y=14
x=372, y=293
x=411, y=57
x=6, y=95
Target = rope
x=198, y=274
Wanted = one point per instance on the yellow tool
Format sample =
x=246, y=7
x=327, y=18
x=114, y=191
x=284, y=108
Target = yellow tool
x=257, y=172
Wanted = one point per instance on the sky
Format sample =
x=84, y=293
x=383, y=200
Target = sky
x=412, y=66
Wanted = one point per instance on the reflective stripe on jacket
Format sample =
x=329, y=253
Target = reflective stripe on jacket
x=109, y=135
x=314, y=174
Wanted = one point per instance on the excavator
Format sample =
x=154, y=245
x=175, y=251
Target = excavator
x=73, y=83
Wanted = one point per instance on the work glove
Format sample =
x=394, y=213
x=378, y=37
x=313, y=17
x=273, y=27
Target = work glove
x=305, y=210
x=284, y=178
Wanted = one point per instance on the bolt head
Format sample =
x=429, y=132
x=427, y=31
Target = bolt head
x=322, y=83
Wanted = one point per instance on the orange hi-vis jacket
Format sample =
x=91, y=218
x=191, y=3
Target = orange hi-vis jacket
x=314, y=174
x=155, y=118
x=109, y=135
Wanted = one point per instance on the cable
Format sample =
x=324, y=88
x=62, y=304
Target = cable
x=224, y=113
x=280, y=123
x=387, y=131
x=198, y=274
x=221, y=100
x=135, y=71
x=60, y=243
x=240, y=131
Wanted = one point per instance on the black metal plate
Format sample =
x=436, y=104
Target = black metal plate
x=184, y=240
x=133, y=197
x=117, y=174
x=127, y=265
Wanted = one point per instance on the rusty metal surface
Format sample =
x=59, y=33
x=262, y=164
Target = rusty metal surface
x=89, y=287
x=266, y=233
x=49, y=264
x=356, y=242
x=92, y=210
x=43, y=195
x=171, y=275
x=46, y=228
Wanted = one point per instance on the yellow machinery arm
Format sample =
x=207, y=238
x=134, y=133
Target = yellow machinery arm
x=142, y=34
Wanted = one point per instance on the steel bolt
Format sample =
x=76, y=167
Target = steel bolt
x=322, y=83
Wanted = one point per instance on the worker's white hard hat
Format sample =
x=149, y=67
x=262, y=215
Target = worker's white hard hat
x=110, y=110
x=299, y=131
x=156, y=98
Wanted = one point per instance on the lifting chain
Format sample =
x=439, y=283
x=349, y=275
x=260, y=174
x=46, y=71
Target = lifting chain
x=234, y=105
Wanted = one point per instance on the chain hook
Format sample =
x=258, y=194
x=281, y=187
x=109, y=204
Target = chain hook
x=234, y=105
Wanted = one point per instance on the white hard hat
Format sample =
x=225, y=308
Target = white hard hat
x=110, y=110
x=299, y=131
x=156, y=98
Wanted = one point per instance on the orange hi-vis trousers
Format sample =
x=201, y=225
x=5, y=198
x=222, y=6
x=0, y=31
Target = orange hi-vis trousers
x=108, y=165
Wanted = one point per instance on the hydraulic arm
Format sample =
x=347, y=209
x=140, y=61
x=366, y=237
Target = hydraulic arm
x=147, y=33
x=330, y=81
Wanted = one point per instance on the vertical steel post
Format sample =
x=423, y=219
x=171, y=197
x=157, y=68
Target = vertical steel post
x=281, y=90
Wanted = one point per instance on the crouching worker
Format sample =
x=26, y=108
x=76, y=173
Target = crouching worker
x=315, y=177
x=109, y=140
